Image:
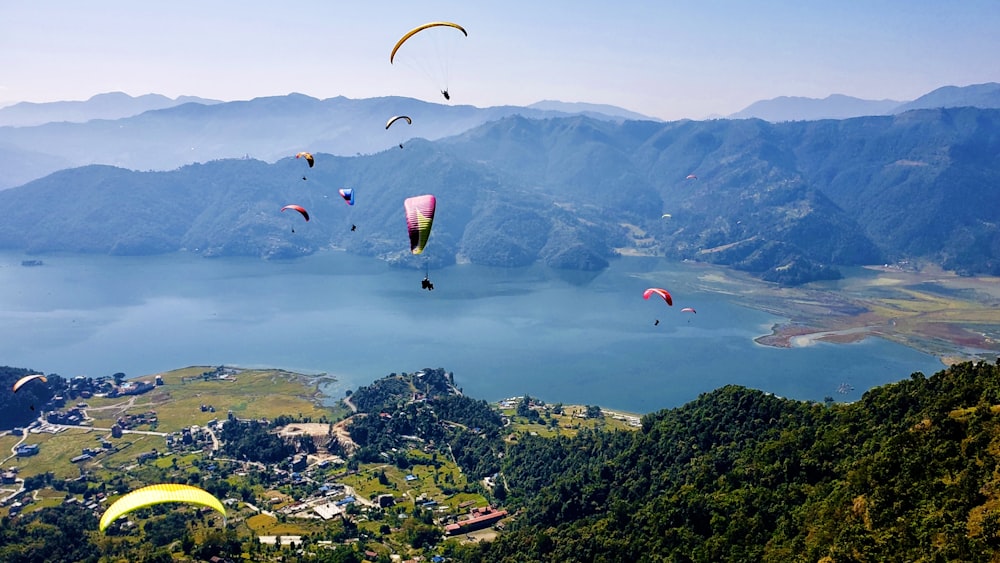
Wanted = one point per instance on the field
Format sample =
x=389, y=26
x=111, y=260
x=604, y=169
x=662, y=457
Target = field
x=940, y=313
x=248, y=393
x=568, y=423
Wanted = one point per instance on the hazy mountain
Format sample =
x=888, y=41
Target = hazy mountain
x=837, y=106
x=794, y=108
x=788, y=202
x=112, y=105
x=265, y=128
x=598, y=111
x=977, y=95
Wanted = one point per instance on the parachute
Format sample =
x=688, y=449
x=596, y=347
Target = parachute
x=657, y=291
x=401, y=133
x=298, y=208
x=419, y=217
x=429, y=51
x=27, y=378
x=397, y=118
x=158, y=494
x=348, y=195
x=688, y=310
x=309, y=158
x=417, y=30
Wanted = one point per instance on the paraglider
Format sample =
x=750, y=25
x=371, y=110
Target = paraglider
x=419, y=218
x=431, y=58
x=309, y=158
x=347, y=194
x=657, y=291
x=689, y=310
x=298, y=208
x=691, y=177
x=158, y=494
x=417, y=30
x=397, y=118
x=27, y=378
x=394, y=120
x=666, y=216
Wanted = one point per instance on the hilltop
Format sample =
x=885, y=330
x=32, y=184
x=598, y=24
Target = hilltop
x=735, y=475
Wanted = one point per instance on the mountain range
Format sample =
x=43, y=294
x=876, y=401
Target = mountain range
x=839, y=106
x=788, y=202
x=267, y=128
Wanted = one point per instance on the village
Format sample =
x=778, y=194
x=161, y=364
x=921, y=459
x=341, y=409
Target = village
x=305, y=491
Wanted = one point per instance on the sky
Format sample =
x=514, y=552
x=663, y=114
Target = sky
x=662, y=58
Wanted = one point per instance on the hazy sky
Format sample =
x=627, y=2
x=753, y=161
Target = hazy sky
x=667, y=59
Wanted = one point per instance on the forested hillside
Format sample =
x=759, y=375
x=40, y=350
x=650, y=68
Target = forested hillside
x=787, y=202
x=908, y=473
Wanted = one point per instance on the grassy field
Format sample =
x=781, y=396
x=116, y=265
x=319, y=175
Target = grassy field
x=249, y=394
x=55, y=452
x=429, y=482
x=568, y=423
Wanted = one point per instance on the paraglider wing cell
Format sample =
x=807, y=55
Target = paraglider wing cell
x=157, y=494
x=27, y=378
x=419, y=218
x=298, y=208
x=657, y=291
x=309, y=158
x=418, y=29
x=347, y=194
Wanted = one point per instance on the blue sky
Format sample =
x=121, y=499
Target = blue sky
x=667, y=59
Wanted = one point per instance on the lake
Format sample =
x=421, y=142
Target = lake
x=572, y=337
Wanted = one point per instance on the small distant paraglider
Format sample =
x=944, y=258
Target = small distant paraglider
x=308, y=156
x=300, y=209
x=396, y=118
x=27, y=378
x=309, y=159
x=688, y=310
x=660, y=292
x=347, y=194
x=691, y=177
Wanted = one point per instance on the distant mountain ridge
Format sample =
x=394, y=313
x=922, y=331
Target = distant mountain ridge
x=267, y=128
x=787, y=202
x=111, y=105
x=839, y=106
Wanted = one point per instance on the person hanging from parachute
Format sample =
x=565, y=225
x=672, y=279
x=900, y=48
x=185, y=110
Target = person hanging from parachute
x=394, y=119
x=663, y=294
x=419, y=218
x=309, y=159
x=300, y=209
x=429, y=55
x=348, y=195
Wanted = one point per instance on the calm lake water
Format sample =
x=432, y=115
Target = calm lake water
x=561, y=336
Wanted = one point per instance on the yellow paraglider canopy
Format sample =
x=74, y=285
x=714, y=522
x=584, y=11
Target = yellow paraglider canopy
x=158, y=494
x=418, y=29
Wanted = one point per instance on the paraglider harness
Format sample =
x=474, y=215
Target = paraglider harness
x=426, y=284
